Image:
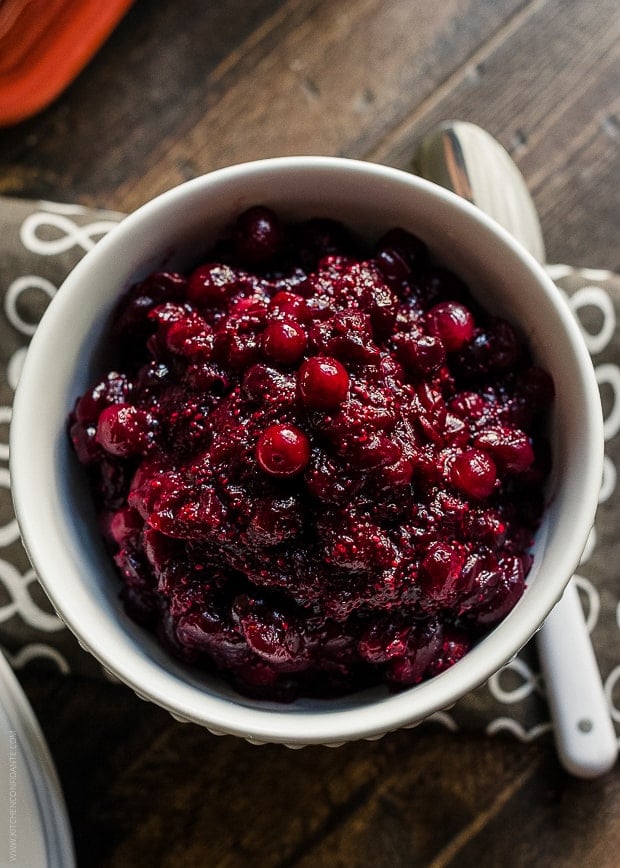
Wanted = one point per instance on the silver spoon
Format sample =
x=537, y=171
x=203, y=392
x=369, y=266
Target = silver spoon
x=467, y=160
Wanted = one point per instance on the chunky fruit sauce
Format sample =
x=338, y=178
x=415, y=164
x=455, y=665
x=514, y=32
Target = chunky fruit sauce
x=318, y=466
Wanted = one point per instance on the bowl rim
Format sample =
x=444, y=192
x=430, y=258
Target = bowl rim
x=287, y=724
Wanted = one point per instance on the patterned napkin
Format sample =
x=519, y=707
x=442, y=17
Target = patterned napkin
x=40, y=242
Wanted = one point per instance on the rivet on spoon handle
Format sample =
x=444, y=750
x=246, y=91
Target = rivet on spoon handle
x=467, y=160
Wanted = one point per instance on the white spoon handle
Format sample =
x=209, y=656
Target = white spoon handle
x=467, y=160
x=586, y=739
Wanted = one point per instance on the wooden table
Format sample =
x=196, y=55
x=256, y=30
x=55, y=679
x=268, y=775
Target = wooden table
x=184, y=87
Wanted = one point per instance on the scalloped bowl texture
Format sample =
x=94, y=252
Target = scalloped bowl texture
x=67, y=353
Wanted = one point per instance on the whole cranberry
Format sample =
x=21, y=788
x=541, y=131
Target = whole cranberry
x=423, y=645
x=258, y=236
x=123, y=430
x=125, y=526
x=496, y=592
x=494, y=348
x=397, y=252
x=393, y=264
x=510, y=448
x=456, y=643
x=282, y=450
x=285, y=303
x=190, y=338
x=323, y=382
x=384, y=640
x=439, y=284
x=269, y=632
x=284, y=341
x=468, y=405
x=504, y=345
x=397, y=474
x=441, y=568
x=114, y=389
x=452, y=322
x=473, y=472
x=320, y=237
x=456, y=431
x=422, y=354
x=536, y=388
x=210, y=284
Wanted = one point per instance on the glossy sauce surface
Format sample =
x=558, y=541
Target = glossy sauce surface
x=318, y=466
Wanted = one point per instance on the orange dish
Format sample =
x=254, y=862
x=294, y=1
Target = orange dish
x=44, y=44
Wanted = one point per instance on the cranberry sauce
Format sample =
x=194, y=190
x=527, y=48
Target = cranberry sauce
x=318, y=466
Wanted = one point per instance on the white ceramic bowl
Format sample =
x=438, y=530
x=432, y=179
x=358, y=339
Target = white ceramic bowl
x=54, y=509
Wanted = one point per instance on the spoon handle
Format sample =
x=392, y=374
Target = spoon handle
x=585, y=736
x=467, y=160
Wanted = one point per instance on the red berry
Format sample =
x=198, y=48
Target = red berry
x=258, y=236
x=125, y=526
x=284, y=341
x=189, y=338
x=509, y=447
x=423, y=645
x=323, y=382
x=456, y=643
x=535, y=386
x=286, y=303
x=210, y=284
x=467, y=405
x=269, y=632
x=397, y=252
x=473, y=472
x=123, y=430
x=393, y=264
x=421, y=355
x=114, y=389
x=283, y=450
x=441, y=569
x=452, y=322
x=397, y=474
x=383, y=641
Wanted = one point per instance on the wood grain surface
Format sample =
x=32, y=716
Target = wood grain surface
x=179, y=89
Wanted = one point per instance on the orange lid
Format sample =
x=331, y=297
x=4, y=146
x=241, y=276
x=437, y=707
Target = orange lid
x=44, y=44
